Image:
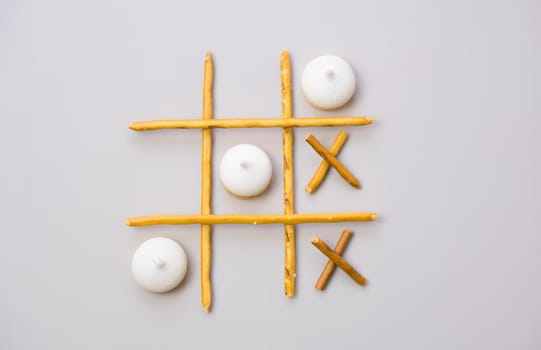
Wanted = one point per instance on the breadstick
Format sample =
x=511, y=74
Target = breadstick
x=256, y=219
x=330, y=267
x=320, y=173
x=206, y=175
x=335, y=163
x=249, y=123
x=338, y=260
x=289, y=208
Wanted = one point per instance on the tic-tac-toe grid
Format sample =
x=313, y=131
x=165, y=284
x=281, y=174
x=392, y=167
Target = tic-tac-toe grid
x=289, y=218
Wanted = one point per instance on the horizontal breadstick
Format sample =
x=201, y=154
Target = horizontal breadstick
x=249, y=123
x=330, y=267
x=320, y=173
x=335, y=163
x=213, y=219
x=338, y=260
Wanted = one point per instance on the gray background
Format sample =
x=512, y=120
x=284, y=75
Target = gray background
x=452, y=166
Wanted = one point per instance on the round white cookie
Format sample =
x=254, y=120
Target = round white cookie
x=328, y=82
x=159, y=264
x=245, y=170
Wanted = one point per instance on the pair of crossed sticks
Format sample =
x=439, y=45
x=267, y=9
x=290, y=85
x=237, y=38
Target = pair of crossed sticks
x=329, y=159
x=335, y=259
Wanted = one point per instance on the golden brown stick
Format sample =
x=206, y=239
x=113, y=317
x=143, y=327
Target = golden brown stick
x=256, y=219
x=335, y=163
x=289, y=208
x=206, y=175
x=338, y=260
x=330, y=267
x=249, y=123
x=320, y=173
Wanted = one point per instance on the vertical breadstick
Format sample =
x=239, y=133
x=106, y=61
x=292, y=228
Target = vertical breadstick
x=206, y=151
x=335, y=163
x=338, y=260
x=330, y=267
x=320, y=173
x=287, y=136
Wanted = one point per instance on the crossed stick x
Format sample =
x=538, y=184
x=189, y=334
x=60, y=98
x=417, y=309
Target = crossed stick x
x=329, y=159
x=335, y=259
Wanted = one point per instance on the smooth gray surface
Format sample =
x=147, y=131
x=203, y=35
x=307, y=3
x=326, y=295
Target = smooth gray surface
x=452, y=166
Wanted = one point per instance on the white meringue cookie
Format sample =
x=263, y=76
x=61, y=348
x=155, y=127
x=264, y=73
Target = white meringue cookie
x=328, y=82
x=159, y=264
x=245, y=170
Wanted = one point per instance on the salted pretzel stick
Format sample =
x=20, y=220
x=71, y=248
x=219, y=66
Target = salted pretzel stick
x=249, y=123
x=206, y=151
x=330, y=267
x=320, y=173
x=338, y=260
x=335, y=163
x=256, y=219
x=289, y=208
